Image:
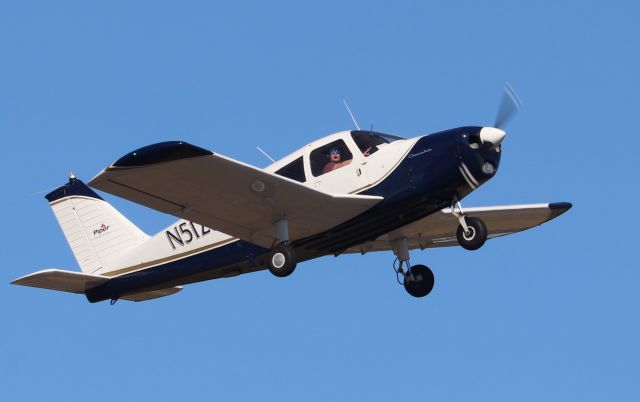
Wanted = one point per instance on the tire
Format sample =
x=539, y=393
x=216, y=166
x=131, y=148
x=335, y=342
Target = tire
x=282, y=261
x=423, y=281
x=477, y=234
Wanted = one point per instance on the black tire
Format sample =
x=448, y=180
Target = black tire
x=282, y=261
x=477, y=234
x=422, y=282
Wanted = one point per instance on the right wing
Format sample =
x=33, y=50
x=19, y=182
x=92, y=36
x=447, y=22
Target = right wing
x=226, y=195
x=439, y=228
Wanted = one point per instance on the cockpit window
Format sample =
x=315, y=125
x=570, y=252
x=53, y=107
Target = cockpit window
x=293, y=171
x=330, y=157
x=368, y=141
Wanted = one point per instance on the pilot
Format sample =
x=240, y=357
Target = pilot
x=334, y=155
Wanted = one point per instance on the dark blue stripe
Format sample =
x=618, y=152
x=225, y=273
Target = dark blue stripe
x=174, y=273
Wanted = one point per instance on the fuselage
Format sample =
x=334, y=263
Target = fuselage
x=416, y=177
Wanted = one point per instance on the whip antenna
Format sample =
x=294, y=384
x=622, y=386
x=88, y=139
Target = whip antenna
x=350, y=114
x=265, y=154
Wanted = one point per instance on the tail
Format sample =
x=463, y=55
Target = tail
x=96, y=232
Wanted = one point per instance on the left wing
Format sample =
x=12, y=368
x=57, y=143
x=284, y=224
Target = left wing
x=439, y=229
x=224, y=194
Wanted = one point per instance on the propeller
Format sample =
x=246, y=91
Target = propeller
x=509, y=105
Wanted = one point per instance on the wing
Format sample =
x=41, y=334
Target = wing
x=221, y=193
x=439, y=229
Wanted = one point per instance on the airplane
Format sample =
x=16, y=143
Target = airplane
x=354, y=191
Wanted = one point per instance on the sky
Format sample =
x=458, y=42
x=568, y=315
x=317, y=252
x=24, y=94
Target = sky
x=550, y=314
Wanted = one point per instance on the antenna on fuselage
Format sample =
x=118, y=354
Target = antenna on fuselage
x=265, y=154
x=350, y=114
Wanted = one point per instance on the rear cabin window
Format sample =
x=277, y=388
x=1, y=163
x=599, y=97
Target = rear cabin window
x=327, y=158
x=293, y=171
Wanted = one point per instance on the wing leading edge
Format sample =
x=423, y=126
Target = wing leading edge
x=439, y=229
x=224, y=194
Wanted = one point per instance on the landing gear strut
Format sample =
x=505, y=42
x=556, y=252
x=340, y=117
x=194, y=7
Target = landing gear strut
x=472, y=232
x=418, y=280
x=282, y=258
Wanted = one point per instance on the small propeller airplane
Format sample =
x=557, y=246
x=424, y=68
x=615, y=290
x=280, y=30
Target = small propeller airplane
x=350, y=192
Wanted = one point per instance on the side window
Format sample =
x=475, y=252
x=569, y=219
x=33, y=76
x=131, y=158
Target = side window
x=330, y=157
x=293, y=171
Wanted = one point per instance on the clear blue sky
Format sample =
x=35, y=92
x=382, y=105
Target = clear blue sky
x=546, y=315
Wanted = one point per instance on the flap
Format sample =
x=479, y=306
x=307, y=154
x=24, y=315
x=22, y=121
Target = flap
x=226, y=195
x=439, y=229
x=65, y=281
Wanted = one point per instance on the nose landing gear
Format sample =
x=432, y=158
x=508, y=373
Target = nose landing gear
x=418, y=280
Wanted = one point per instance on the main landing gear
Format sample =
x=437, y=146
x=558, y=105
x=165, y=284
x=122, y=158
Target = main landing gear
x=472, y=232
x=418, y=280
x=282, y=258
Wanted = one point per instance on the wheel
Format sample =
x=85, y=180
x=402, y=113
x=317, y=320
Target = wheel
x=282, y=261
x=422, y=282
x=476, y=236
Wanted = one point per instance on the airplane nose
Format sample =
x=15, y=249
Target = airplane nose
x=492, y=135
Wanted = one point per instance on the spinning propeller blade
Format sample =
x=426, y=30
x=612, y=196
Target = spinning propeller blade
x=509, y=105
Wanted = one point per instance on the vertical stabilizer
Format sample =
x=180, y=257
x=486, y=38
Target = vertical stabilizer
x=96, y=232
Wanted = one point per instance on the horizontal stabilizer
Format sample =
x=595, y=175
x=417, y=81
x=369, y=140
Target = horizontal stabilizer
x=152, y=294
x=65, y=281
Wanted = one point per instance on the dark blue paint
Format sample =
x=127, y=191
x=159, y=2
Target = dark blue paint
x=475, y=158
x=73, y=187
x=558, y=208
x=160, y=152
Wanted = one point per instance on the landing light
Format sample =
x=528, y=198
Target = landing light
x=487, y=168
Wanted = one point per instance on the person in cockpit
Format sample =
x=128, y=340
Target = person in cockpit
x=334, y=155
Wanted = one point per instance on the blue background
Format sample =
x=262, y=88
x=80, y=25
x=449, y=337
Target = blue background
x=550, y=314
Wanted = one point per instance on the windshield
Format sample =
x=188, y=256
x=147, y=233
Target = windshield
x=368, y=141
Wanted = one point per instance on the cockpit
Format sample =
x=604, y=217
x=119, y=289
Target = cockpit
x=333, y=153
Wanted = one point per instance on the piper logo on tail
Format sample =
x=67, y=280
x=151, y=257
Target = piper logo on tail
x=103, y=228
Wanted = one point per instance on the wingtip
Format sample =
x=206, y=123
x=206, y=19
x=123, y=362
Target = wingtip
x=161, y=152
x=559, y=208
